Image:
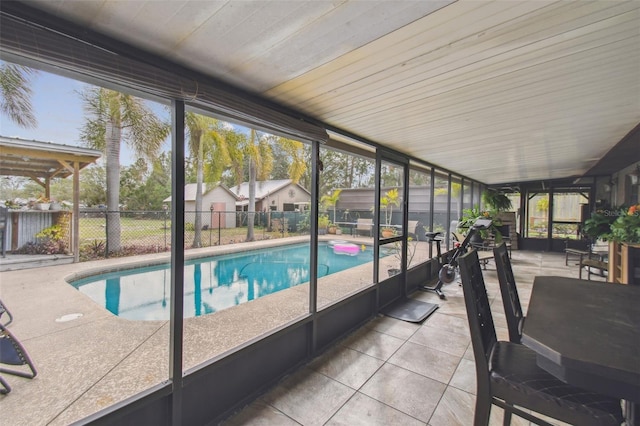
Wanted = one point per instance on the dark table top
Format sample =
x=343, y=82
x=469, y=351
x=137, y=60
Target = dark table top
x=587, y=333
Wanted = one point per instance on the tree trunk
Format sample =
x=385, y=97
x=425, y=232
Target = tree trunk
x=113, y=133
x=252, y=200
x=197, y=236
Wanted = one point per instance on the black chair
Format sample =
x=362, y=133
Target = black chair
x=4, y=310
x=510, y=299
x=508, y=376
x=4, y=215
x=13, y=353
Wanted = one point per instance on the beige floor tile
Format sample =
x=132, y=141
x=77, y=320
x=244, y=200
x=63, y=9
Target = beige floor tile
x=260, y=414
x=308, y=397
x=426, y=361
x=464, y=378
x=347, y=366
x=406, y=391
x=393, y=327
x=454, y=409
x=450, y=323
x=451, y=343
x=362, y=410
x=373, y=343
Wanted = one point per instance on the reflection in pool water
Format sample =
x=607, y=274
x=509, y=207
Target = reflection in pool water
x=214, y=283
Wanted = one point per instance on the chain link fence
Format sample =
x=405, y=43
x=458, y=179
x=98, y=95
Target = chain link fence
x=144, y=232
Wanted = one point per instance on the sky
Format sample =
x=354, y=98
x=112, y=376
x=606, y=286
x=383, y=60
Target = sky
x=58, y=110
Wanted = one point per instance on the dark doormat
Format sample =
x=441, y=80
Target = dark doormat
x=410, y=310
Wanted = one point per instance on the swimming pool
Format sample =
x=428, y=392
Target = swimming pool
x=214, y=283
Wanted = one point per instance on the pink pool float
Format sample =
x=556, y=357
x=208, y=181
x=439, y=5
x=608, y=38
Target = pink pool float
x=346, y=248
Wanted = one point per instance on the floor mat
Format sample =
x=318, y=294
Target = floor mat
x=410, y=310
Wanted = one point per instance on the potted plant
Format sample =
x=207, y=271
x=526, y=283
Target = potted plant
x=469, y=217
x=331, y=200
x=626, y=227
x=397, y=253
x=598, y=226
x=323, y=224
x=496, y=201
x=43, y=203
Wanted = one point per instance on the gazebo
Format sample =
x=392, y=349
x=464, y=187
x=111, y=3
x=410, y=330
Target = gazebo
x=43, y=161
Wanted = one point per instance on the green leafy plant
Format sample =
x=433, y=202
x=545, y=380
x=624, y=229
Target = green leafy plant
x=598, y=226
x=331, y=200
x=626, y=227
x=323, y=221
x=496, y=201
x=49, y=241
x=390, y=200
x=469, y=217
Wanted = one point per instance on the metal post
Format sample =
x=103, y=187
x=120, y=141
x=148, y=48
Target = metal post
x=165, y=207
x=211, y=223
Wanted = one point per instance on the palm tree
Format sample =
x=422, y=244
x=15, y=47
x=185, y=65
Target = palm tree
x=205, y=136
x=295, y=150
x=112, y=118
x=256, y=152
x=16, y=94
x=260, y=157
x=330, y=200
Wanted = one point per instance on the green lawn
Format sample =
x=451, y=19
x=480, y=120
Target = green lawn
x=152, y=232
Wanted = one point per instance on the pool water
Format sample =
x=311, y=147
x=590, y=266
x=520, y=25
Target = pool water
x=214, y=283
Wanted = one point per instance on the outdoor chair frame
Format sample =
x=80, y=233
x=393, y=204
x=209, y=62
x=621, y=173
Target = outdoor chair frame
x=509, y=292
x=508, y=376
x=13, y=353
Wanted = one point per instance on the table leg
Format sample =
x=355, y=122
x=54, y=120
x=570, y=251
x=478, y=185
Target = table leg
x=632, y=413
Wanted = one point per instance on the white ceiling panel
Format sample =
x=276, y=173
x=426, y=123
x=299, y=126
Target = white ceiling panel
x=500, y=91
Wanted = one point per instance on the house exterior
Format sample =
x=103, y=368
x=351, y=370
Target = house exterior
x=273, y=195
x=218, y=205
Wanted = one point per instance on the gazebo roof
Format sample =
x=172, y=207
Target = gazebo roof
x=37, y=159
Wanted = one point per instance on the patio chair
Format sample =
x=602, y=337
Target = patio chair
x=4, y=387
x=13, y=353
x=4, y=215
x=364, y=226
x=4, y=310
x=508, y=376
x=509, y=291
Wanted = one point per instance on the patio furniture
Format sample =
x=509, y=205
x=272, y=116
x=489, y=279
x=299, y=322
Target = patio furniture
x=4, y=310
x=509, y=291
x=588, y=334
x=595, y=261
x=13, y=353
x=508, y=376
x=5, y=389
x=364, y=226
x=4, y=214
x=574, y=252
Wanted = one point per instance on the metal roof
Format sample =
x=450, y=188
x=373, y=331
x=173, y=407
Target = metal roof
x=37, y=159
x=497, y=91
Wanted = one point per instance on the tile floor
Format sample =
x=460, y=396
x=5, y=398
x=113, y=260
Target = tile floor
x=392, y=372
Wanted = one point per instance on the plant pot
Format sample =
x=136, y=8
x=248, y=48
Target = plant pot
x=393, y=271
x=332, y=229
x=43, y=206
x=338, y=231
x=322, y=231
x=56, y=206
x=387, y=233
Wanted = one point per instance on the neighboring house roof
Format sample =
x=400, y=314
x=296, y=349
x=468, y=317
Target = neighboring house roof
x=190, y=191
x=263, y=188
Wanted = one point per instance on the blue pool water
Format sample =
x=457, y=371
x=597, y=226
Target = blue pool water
x=214, y=283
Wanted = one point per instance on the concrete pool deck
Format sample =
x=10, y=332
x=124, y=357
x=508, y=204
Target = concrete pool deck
x=89, y=359
x=97, y=359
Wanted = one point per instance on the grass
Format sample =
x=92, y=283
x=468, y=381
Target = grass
x=152, y=232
